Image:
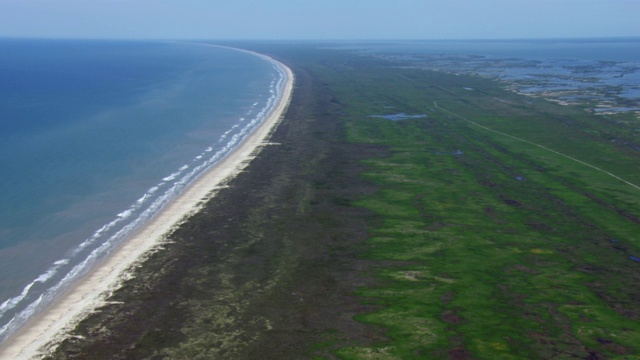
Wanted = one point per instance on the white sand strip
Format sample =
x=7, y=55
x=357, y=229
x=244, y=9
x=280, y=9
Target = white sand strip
x=42, y=334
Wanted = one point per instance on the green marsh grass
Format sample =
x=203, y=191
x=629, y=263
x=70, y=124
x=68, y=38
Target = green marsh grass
x=491, y=247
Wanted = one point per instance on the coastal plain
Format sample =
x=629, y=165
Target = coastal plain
x=482, y=225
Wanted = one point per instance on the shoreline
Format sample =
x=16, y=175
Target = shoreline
x=42, y=333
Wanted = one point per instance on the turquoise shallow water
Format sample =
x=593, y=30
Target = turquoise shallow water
x=96, y=137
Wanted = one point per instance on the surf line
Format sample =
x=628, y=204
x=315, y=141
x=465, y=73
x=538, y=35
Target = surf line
x=41, y=335
x=435, y=103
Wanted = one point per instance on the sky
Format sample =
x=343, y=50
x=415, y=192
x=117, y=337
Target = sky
x=319, y=19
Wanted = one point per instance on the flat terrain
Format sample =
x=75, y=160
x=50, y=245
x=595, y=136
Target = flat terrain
x=496, y=226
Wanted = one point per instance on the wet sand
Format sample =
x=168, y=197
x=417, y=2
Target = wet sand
x=40, y=335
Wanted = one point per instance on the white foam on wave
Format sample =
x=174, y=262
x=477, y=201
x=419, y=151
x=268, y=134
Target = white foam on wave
x=6, y=327
x=125, y=214
x=47, y=275
x=42, y=278
x=226, y=133
x=95, y=236
x=21, y=317
x=176, y=174
x=14, y=301
x=120, y=217
x=142, y=199
x=170, y=177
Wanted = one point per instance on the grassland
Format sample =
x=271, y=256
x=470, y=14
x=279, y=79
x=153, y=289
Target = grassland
x=508, y=227
x=492, y=228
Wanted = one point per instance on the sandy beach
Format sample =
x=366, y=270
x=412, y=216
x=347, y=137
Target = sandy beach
x=40, y=335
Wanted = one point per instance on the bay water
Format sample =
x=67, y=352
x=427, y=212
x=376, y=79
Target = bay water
x=600, y=73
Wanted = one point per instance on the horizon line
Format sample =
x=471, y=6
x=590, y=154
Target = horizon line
x=318, y=40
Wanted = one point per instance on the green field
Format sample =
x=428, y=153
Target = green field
x=489, y=226
x=505, y=227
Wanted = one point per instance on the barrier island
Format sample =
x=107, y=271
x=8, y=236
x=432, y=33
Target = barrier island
x=491, y=226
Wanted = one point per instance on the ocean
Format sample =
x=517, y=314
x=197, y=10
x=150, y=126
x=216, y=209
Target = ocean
x=96, y=137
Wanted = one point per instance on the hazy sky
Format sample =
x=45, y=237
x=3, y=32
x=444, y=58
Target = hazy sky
x=319, y=19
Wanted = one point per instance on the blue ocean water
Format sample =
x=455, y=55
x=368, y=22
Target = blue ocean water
x=96, y=137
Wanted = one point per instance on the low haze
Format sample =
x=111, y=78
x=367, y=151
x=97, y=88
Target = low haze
x=327, y=19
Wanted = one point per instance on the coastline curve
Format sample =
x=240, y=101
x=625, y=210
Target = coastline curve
x=41, y=334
